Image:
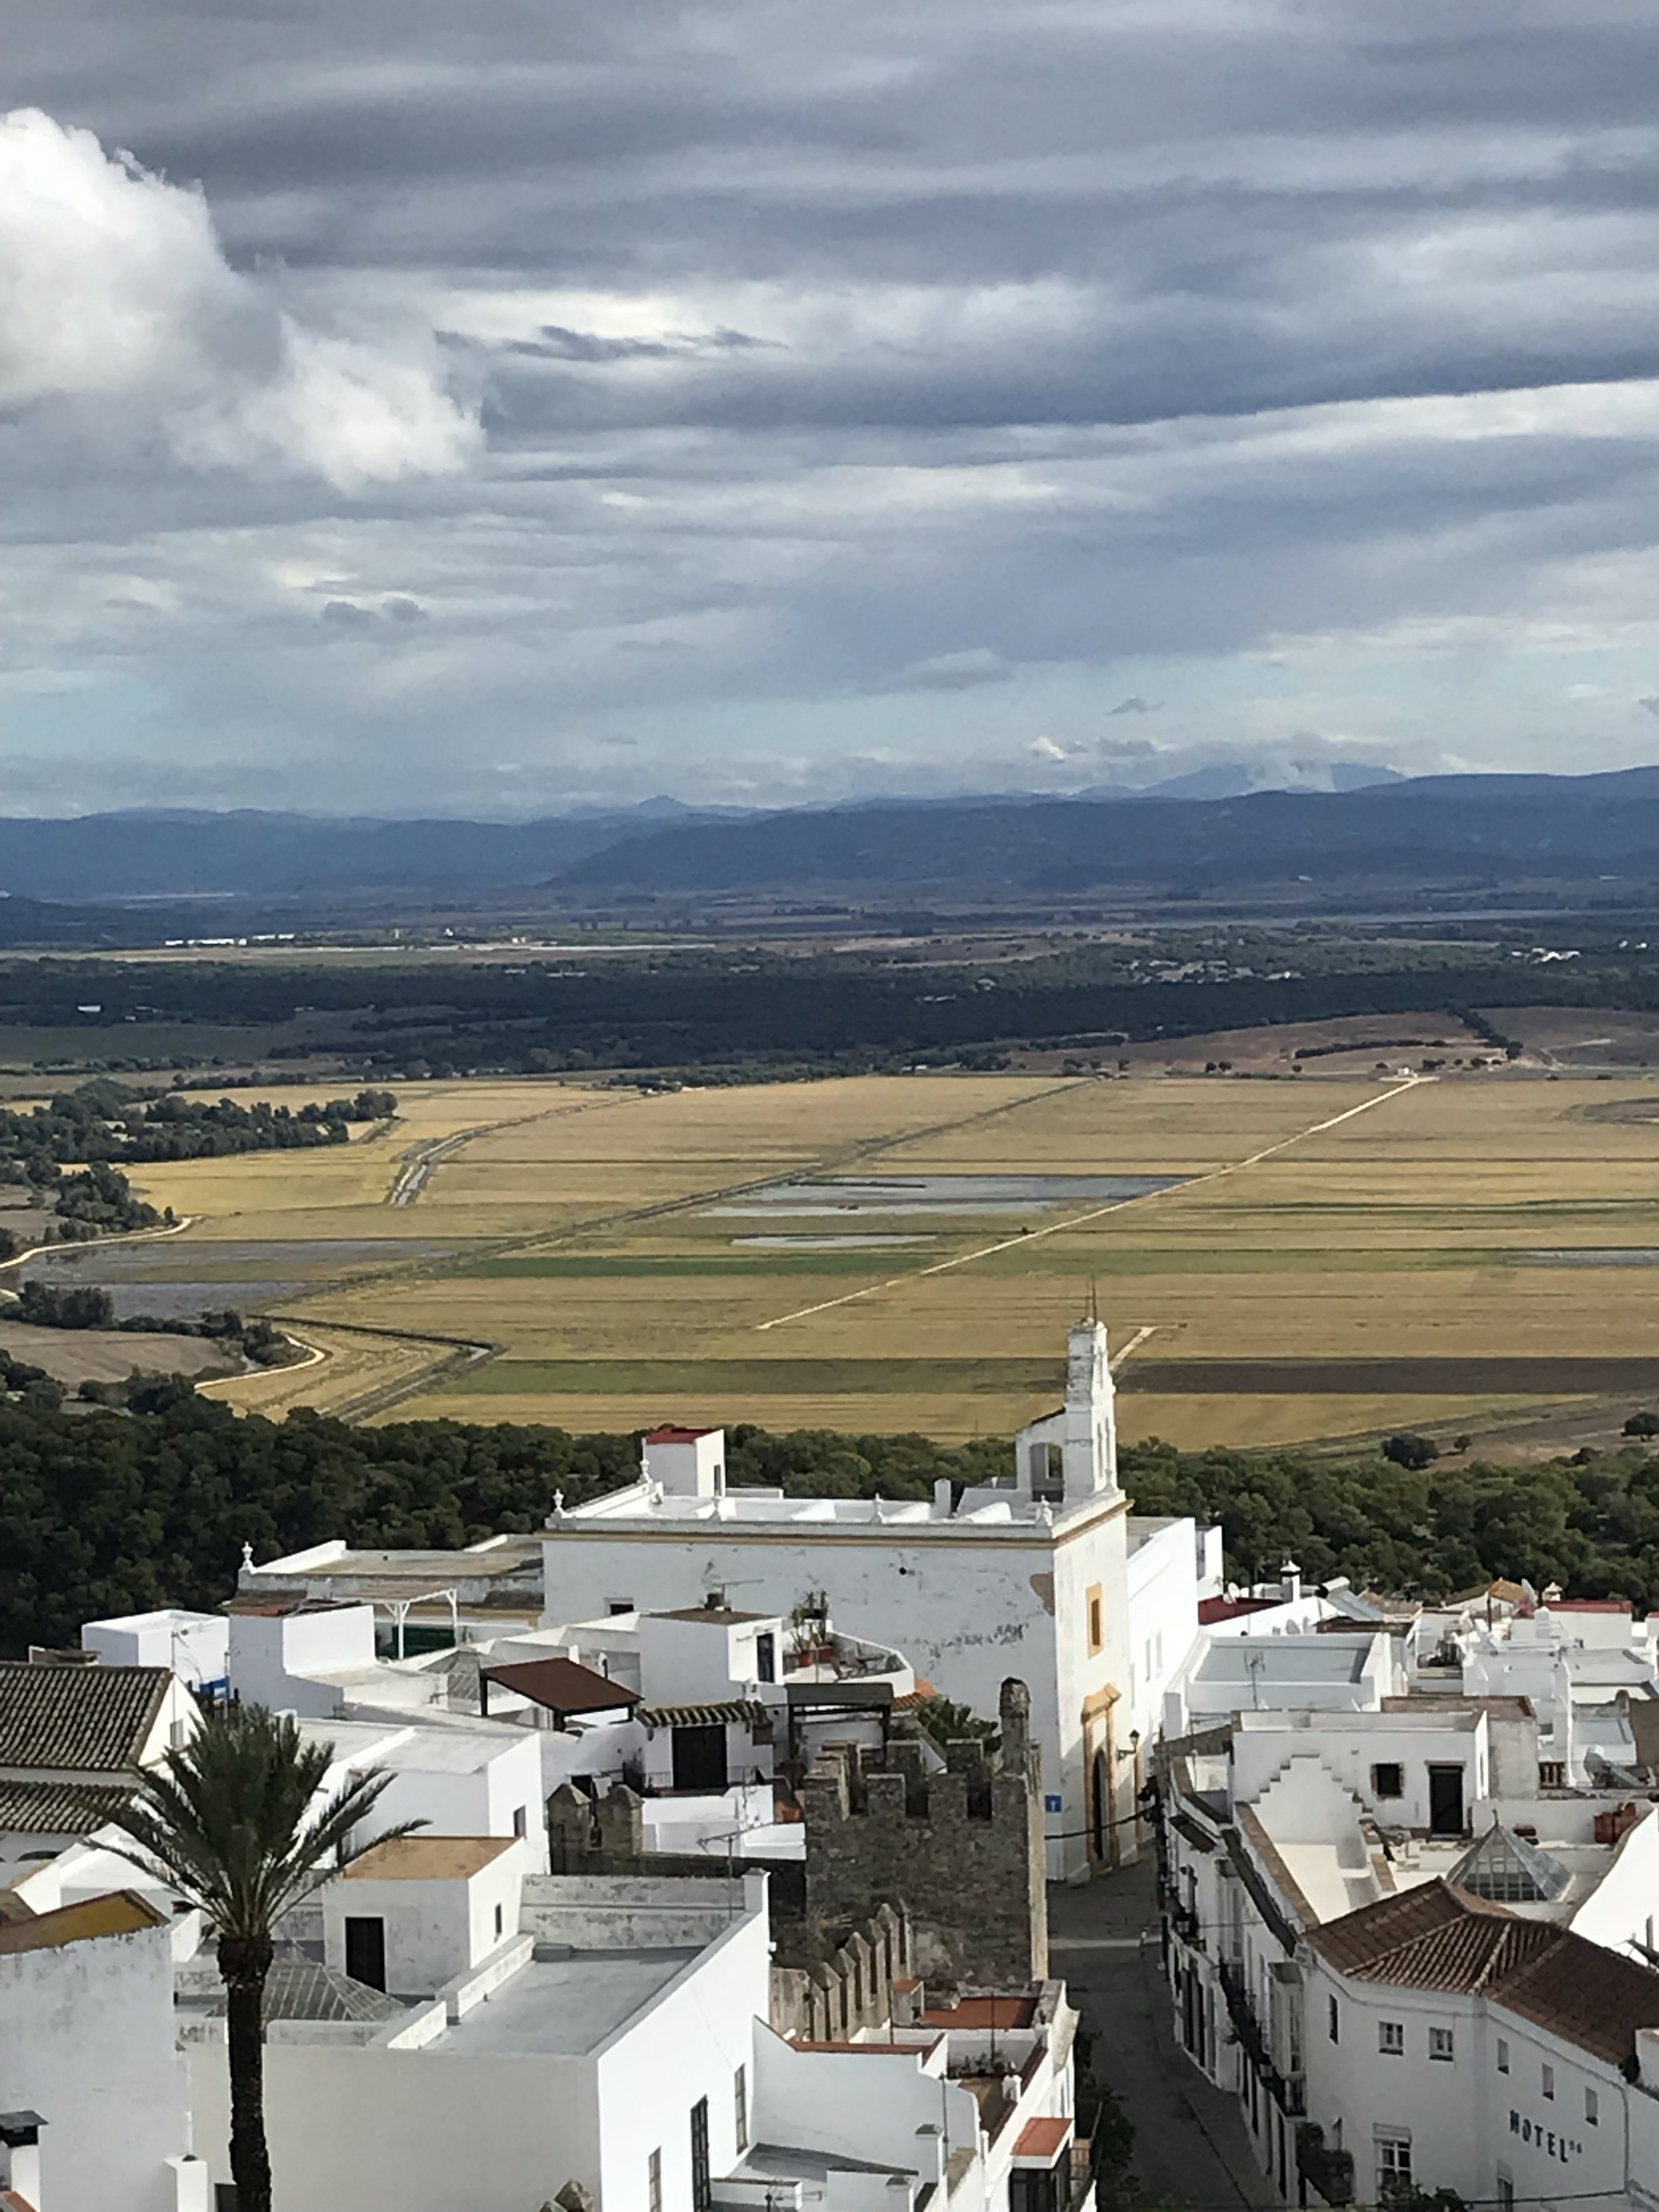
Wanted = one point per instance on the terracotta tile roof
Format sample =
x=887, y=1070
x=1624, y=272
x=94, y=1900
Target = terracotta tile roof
x=562, y=1685
x=1042, y=2139
x=1213, y=1609
x=79, y=1720
x=59, y=1808
x=1588, y=1605
x=1586, y=1996
x=117, y=1912
x=672, y=1435
x=732, y=1712
x=1436, y=1937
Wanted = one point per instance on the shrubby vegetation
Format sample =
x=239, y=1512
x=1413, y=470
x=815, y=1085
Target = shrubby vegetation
x=1590, y=1523
x=738, y=1012
x=50, y=1305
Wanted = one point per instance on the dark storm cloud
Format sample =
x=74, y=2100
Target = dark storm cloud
x=903, y=360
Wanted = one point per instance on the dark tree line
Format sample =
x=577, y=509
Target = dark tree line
x=107, y=1511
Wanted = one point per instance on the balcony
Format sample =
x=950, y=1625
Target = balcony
x=1289, y=2091
x=1185, y=1922
x=1329, y=2171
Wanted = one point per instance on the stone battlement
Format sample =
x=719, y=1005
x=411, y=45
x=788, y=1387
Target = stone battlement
x=960, y=1854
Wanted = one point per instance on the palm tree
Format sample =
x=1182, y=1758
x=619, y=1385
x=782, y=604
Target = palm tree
x=233, y=1822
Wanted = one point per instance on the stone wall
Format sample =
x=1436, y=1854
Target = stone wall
x=605, y=1835
x=863, y=1981
x=960, y=1855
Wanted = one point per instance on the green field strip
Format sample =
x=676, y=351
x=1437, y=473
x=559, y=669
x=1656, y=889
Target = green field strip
x=741, y=1378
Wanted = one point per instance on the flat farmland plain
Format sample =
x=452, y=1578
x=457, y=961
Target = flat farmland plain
x=1331, y=1255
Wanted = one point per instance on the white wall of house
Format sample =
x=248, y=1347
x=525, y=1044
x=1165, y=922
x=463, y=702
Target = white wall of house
x=434, y=1929
x=685, y=1662
x=1622, y=1911
x=384, y=2131
x=896, y=2109
x=502, y=2129
x=1475, y=2122
x=501, y=1794
x=1353, y=1749
x=194, y=1644
x=86, y=2040
x=1162, y=1581
x=274, y=1656
x=687, y=2044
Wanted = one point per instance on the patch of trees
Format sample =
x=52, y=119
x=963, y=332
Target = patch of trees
x=1590, y=1522
x=102, y=1123
x=745, y=1010
x=54, y=1305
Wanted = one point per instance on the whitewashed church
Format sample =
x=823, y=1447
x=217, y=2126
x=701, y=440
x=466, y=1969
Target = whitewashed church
x=1048, y=1578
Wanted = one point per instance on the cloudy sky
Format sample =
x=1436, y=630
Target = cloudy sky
x=482, y=409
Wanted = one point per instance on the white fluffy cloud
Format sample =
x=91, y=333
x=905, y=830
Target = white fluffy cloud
x=117, y=304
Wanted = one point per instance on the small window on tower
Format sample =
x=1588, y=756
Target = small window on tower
x=1097, y=1619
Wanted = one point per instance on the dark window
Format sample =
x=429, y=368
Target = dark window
x=1096, y=1627
x=521, y=1821
x=365, y=1950
x=740, y=2107
x=1552, y=1773
x=1446, y=1800
x=1032, y=2189
x=653, y=2182
x=499, y=1923
x=224, y=2196
x=621, y=1604
x=1335, y=2024
x=700, y=1757
x=1387, y=1780
x=766, y=1657
x=1101, y=1794
x=702, y=2192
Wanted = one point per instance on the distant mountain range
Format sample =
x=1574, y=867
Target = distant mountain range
x=1473, y=829
x=1186, y=838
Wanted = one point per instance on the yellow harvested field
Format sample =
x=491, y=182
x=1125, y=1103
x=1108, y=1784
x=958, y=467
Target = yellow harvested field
x=348, y=1368
x=1376, y=1254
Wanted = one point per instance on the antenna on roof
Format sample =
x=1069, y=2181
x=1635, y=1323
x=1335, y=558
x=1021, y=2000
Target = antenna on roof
x=1094, y=1299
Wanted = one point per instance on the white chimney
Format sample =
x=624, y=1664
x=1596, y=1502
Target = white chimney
x=19, y=2155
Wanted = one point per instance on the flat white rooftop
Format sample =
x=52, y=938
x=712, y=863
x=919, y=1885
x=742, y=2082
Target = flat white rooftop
x=419, y=1748
x=566, y=2007
x=981, y=1512
x=1282, y=1660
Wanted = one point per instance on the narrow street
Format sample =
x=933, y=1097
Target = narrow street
x=1191, y=2148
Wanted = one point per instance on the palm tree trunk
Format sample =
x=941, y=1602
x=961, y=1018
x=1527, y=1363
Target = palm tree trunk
x=245, y=1961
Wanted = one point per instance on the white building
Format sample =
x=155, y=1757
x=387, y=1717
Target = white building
x=196, y=1645
x=1333, y=1883
x=1452, y=2044
x=87, y=2047
x=468, y=1781
x=1032, y=1578
x=72, y=1739
x=473, y=2036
